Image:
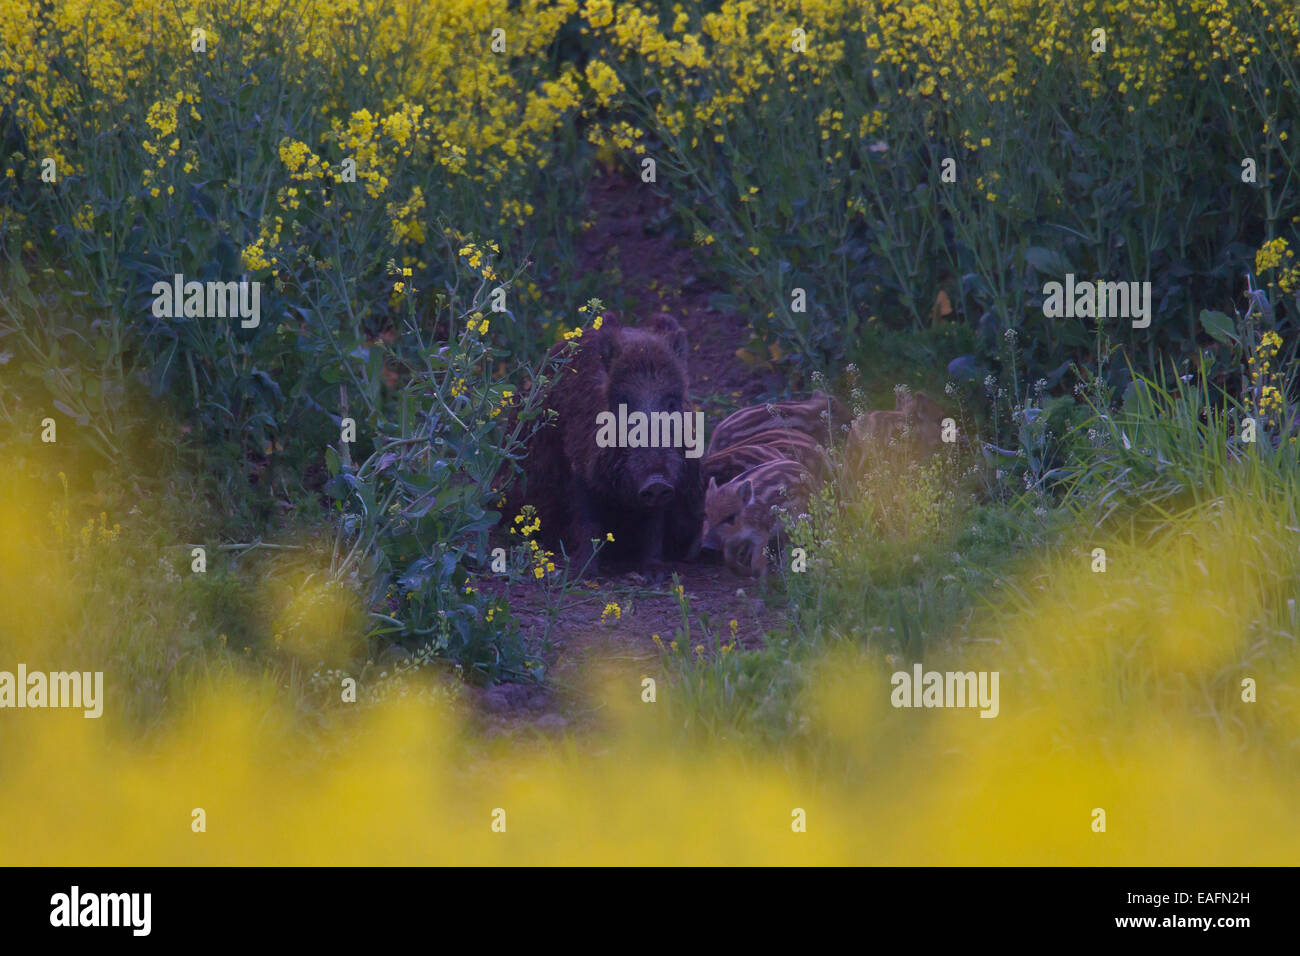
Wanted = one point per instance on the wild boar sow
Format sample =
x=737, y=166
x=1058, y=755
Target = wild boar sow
x=649, y=498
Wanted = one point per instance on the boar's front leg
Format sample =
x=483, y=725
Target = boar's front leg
x=584, y=528
x=652, y=545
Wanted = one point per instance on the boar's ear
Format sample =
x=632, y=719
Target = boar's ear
x=666, y=327
x=607, y=343
x=713, y=483
x=746, y=492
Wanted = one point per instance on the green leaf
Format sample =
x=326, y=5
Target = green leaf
x=1046, y=261
x=332, y=461
x=340, y=486
x=24, y=291
x=420, y=507
x=1219, y=327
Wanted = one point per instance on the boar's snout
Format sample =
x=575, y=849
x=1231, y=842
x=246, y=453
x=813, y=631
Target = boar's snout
x=656, y=491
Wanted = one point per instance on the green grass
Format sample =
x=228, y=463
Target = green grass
x=949, y=564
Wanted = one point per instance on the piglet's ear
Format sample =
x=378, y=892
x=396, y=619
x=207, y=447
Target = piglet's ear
x=746, y=490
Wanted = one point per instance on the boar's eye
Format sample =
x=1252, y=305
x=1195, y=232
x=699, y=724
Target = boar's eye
x=670, y=403
x=731, y=519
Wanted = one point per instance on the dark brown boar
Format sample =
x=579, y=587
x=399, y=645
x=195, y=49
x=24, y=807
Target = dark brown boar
x=819, y=416
x=649, y=499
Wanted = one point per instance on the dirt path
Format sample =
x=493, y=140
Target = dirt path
x=633, y=241
x=655, y=270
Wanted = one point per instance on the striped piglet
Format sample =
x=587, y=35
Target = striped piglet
x=819, y=416
x=741, y=516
